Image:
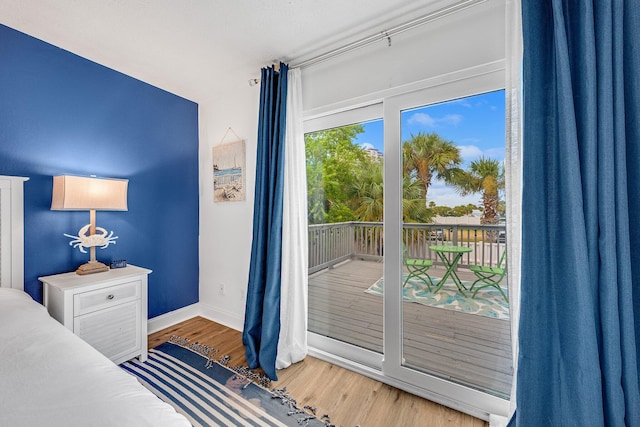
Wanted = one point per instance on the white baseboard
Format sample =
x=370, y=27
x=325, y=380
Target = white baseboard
x=227, y=318
x=163, y=321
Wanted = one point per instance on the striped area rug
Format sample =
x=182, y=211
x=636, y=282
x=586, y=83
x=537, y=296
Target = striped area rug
x=210, y=394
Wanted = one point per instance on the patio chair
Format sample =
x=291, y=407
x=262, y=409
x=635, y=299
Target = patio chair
x=489, y=276
x=417, y=268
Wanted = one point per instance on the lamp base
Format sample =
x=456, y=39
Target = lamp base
x=92, y=267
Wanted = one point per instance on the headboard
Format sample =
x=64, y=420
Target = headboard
x=12, y=232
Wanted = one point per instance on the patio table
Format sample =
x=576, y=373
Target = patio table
x=457, y=251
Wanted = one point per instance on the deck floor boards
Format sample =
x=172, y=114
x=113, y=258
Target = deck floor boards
x=468, y=349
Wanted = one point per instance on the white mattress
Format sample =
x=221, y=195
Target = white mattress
x=50, y=377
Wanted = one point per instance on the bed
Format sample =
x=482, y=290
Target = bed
x=50, y=377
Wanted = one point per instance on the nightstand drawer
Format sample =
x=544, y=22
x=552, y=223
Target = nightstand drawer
x=114, y=332
x=88, y=302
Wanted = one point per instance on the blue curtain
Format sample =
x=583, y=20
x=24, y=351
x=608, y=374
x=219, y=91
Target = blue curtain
x=580, y=301
x=262, y=315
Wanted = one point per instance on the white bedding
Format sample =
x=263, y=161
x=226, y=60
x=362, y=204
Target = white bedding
x=50, y=377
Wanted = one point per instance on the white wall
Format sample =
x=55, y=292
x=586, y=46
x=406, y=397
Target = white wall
x=468, y=38
x=443, y=46
x=226, y=228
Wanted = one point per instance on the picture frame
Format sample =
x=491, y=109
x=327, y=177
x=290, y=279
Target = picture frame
x=229, y=172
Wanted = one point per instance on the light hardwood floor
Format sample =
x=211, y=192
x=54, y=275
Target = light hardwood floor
x=349, y=398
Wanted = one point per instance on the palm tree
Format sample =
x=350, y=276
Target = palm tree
x=366, y=193
x=486, y=176
x=367, y=196
x=429, y=156
x=413, y=206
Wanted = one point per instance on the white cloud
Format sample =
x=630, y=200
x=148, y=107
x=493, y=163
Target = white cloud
x=432, y=122
x=453, y=199
x=495, y=153
x=444, y=195
x=462, y=102
x=451, y=119
x=469, y=152
x=472, y=152
x=423, y=119
x=366, y=145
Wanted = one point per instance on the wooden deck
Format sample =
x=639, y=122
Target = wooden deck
x=465, y=348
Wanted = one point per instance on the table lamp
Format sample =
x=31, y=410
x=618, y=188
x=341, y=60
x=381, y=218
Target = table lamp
x=76, y=193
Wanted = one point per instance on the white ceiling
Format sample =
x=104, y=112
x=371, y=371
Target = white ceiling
x=195, y=47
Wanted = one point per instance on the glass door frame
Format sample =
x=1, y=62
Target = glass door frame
x=387, y=367
x=437, y=389
x=321, y=346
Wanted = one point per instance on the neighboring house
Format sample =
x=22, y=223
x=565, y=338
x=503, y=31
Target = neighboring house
x=457, y=220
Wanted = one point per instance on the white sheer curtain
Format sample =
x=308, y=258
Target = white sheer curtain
x=292, y=345
x=513, y=167
x=514, y=171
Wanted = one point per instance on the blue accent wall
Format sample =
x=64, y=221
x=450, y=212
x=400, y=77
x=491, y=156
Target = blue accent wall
x=63, y=114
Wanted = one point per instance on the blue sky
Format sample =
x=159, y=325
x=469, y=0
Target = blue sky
x=476, y=124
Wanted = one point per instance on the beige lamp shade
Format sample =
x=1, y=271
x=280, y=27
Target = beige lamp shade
x=76, y=193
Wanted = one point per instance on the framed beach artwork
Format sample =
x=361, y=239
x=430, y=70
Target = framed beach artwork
x=229, y=172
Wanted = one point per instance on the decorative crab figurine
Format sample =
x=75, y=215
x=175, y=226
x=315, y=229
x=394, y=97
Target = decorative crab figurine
x=84, y=240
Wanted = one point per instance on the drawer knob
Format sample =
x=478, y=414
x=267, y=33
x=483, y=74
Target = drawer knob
x=110, y=296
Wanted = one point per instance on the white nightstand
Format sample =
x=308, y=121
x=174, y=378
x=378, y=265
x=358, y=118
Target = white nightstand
x=108, y=310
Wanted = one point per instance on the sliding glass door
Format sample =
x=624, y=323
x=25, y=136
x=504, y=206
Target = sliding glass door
x=345, y=166
x=405, y=200
x=455, y=314
x=448, y=331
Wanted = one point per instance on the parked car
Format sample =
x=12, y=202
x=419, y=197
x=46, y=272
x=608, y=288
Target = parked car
x=436, y=234
x=502, y=236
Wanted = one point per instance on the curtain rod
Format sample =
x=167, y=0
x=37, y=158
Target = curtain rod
x=386, y=35
x=440, y=13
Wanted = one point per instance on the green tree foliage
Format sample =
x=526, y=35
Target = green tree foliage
x=485, y=176
x=367, y=192
x=367, y=196
x=427, y=156
x=332, y=162
x=345, y=182
x=413, y=206
x=460, y=210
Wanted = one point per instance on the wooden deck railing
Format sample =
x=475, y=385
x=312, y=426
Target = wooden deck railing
x=330, y=244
